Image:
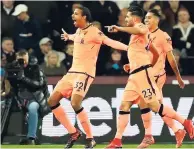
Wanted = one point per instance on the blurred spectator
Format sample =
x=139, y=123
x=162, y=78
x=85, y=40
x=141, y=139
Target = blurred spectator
x=122, y=4
x=106, y=12
x=97, y=24
x=46, y=13
x=103, y=54
x=27, y=30
x=164, y=25
x=189, y=6
x=53, y=65
x=147, y=4
x=5, y=84
x=183, y=34
x=46, y=46
x=122, y=16
x=114, y=66
x=3, y=61
x=69, y=55
x=122, y=36
x=31, y=89
x=8, y=49
x=171, y=11
x=67, y=23
x=7, y=20
x=64, y=6
x=66, y=9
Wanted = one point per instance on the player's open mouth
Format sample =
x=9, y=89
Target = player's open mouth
x=74, y=21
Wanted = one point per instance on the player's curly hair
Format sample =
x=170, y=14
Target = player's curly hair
x=136, y=10
x=85, y=12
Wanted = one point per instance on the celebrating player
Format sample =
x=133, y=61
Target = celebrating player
x=75, y=84
x=163, y=42
x=141, y=84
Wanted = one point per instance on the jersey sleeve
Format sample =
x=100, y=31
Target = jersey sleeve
x=115, y=44
x=167, y=43
x=72, y=36
x=99, y=36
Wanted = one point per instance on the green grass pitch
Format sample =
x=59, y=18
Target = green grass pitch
x=191, y=145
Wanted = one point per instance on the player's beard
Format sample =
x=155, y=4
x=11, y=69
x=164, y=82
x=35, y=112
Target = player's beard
x=129, y=24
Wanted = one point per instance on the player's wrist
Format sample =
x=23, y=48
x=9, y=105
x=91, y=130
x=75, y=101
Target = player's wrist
x=119, y=28
x=178, y=77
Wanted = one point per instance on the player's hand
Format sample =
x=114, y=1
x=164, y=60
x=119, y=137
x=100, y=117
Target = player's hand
x=64, y=36
x=126, y=68
x=112, y=28
x=181, y=82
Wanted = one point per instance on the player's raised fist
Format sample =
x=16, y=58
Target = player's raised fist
x=64, y=36
x=112, y=28
x=126, y=68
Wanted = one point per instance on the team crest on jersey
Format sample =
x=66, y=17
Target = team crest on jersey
x=82, y=41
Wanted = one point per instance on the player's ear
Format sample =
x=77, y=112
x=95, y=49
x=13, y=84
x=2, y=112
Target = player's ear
x=134, y=19
x=84, y=17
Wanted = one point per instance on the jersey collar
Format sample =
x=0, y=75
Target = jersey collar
x=87, y=26
x=155, y=30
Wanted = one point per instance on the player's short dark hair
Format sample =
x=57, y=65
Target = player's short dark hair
x=155, y=13
x=22, y=52
x=86, y=12
x=136, y=10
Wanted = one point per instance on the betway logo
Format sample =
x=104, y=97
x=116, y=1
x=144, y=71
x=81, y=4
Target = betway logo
x=105, y=113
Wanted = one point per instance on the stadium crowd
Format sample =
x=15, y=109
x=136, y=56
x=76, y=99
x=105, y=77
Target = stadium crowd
x=36, y=27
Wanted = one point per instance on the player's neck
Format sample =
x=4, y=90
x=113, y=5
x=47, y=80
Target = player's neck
x=85, y=26
x=154, y=28
x=137, y=22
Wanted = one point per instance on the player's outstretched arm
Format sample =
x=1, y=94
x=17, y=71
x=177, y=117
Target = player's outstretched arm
x=66, y=36
x=167, y=45
x=136, y=30
x=115, y=44
x=173, y=64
